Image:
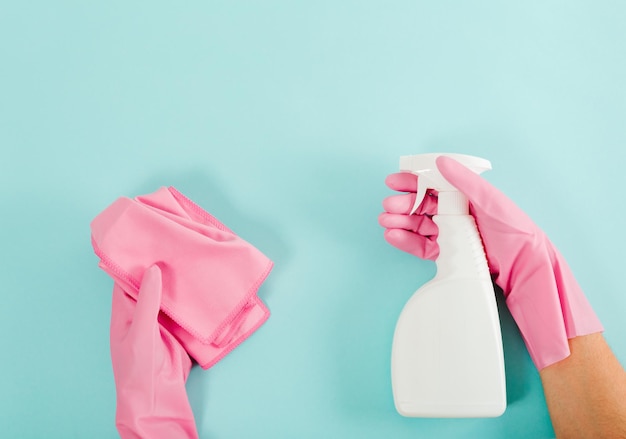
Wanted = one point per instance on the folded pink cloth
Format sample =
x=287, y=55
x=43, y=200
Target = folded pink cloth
x=210, y=276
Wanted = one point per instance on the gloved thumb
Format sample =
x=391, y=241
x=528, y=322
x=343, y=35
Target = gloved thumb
x=475, y=188
x=485, y=198
x=148, y=302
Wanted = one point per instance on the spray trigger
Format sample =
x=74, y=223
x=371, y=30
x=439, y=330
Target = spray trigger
x=428, y=175
x=419, y=196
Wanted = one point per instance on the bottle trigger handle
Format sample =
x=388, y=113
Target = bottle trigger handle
x=419, y=196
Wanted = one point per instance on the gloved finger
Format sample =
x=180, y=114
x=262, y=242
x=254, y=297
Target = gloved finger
x=417, y=245
x=402, y=204
x=122, y=309
x=483, y=196
x=421, y=224
x=148, y=303
x=402, y=182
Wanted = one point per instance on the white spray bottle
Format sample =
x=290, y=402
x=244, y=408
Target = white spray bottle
x=447, y=358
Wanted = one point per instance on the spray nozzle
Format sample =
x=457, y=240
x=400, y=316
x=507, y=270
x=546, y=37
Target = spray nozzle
x=429, y=177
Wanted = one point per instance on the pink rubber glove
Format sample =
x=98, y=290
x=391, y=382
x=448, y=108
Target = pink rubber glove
x=150, y=367
x=541, y=293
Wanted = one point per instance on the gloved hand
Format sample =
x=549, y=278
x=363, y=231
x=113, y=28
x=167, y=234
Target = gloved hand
x=150, y=367
x=541, y=293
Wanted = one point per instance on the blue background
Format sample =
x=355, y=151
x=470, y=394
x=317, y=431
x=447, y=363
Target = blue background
x=282, y=119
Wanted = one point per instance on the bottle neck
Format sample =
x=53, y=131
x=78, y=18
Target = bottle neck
x=452, y=203
x=461, y=252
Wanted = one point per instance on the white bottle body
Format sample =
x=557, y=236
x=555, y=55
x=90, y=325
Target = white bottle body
x=447, y=357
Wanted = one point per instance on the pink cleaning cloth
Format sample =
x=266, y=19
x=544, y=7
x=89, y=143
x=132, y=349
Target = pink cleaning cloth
x=210, y=275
